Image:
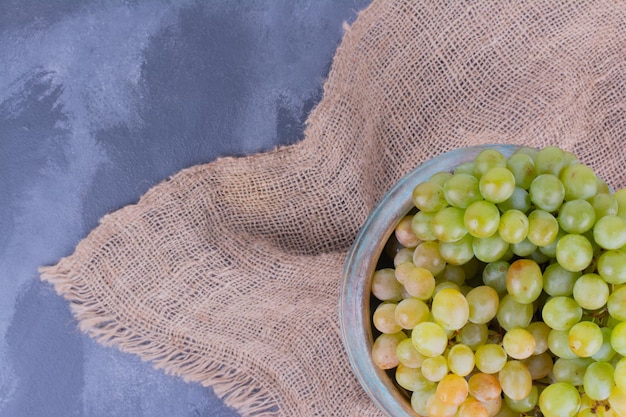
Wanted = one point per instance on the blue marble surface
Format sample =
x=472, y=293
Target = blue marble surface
x=99, y=101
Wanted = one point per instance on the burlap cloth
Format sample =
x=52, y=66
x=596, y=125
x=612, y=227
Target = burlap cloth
x=228, y=273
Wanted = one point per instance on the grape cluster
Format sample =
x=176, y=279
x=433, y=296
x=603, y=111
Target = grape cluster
x=505, y=291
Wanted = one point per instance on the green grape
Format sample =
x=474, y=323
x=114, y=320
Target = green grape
x=540, y=332
x=504, y=411
x=519, y=200
x=616, y=303
x=527, y=150
x=459, y=252
x=561, y=313
x=489, y=249
x=410, y=312
x=558, y=281
x=543, y=228
x=574, y=252
x=412, y=379
x=450, y=309
x=428, y=196
x=524, y=248
x=482, y=219
x=604, y=204
x=524, y=281
x=426, y=255
x=558, y=344
x=494, y=275
x=518, y=343
x=473, y=335
x=513, y=226
x=430, y=339
x=385, y=286
x=579, y=182
x=483, y=304
x=539, y=257
x=549, y=250
x=550, y=160
x=435, y=368
x=461, y=360
x=512, y=314
x=404, y=233
x=461, y=190
x=525, y=404
x=591, y=292
x=547, y=192
x=440, y=178
x=612, y=266
x=419, y=400
x=609, y=232
x=497, y=184
x=619, y=374
x=384, y=350
x=452, y=273
x=464, y=168
x=606, y=351
x=559, y=400
x=421, y=226
x=523, y=168
x=620, y=197
x=384, y=319
x=576, y=216
x=448, y=225
x=598, y=380
x=539, y=366
x=618, y=338
x=490, y=358
x=407, y=354
x=402, y=256
x=487, y=159
x=420, y=283
x=515, y=380
x=585, y=338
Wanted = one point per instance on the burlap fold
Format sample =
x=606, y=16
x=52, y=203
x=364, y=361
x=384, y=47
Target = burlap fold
x=228, y=273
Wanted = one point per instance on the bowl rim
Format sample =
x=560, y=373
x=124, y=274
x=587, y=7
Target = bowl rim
x=354, y=294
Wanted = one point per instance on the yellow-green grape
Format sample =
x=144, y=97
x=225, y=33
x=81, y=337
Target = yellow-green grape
x=450, y=309
x=385, y=286
x=547, y=192
x=515, y=380
x=411, y=379
x=574, y=252
x=421, y=226
x=483, y=304
x=430, y=339
x=579, y=182
x=604, y=204
x=620, y=197
x=452, y=389
x=513, y=226
x=384, y=350
x=426, y=255
x=497, y=184
x=618, y=338
x=440, y=177
x=464, y=168
x=549, y=250
x=461, y=190
x=559, y=344
x=512, y=314
x=571, y=370
x=487, y=159
x=576, y=216
x=558, y=281
x=419, y=400
x=559, y=400
x=452, y=273
x=561, y=313
x=409, y=312
x=490, y=358
x=543, y=228
x=609, y=232
x=540, y=332
x=473, y=335
x=617, y=400
x=612, y=266
x=384, y=318
x=591, y=292
x=616, y=303
x=484, y=387
x=519, y=200
x=494, y=275
x=518, y=343
x=523, y=168
x=539, y=366
x=490, y=249
x=598, y=380
x=524, y=248
x=408, y=355
x=402, y=256
x=606, y=351
x=404, y=233
x=585, y=338
x=482, y=219
x=419, y=283
x=524, y=281
x=461, y=360
x=550, y=160
x=459, y=252
x=525, y=404
x=428, y=196
x=448, y=225
x=403, y=270
x=435, y=368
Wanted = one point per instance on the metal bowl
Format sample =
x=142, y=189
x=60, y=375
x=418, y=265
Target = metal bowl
x=355, y=300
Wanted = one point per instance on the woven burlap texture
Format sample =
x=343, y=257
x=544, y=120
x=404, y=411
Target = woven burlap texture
x=228, y=273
